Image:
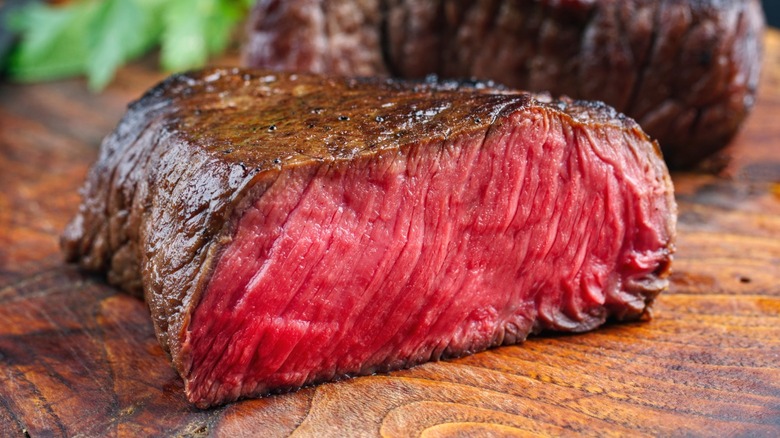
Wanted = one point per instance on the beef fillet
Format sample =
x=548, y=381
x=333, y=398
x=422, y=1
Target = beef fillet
x=292, y=229
x=686, y=70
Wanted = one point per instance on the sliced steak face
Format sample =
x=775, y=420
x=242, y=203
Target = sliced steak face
x=687, y=71
x=293, y=229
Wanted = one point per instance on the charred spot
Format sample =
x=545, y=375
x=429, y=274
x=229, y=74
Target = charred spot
x=744, y=280
x=705, y=58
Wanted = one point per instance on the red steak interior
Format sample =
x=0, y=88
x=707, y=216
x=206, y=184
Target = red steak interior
x=439, y=249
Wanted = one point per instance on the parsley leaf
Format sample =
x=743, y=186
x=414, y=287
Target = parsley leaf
x=194, y=29
x=95, y=37
x=53, y=41
x=114, y=36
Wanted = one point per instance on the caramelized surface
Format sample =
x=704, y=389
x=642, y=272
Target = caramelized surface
x=263, y=119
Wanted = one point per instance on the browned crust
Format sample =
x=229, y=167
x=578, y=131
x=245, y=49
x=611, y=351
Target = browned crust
x=159, y=201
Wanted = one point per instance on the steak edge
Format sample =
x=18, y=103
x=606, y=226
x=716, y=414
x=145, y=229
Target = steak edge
x=290, y=229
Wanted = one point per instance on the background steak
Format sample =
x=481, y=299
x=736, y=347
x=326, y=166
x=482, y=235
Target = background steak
x=687, y=71
x=292, y=229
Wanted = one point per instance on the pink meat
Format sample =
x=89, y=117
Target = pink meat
x=437, y=250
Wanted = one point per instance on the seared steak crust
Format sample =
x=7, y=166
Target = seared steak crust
x=195, y=153
x=687, y=71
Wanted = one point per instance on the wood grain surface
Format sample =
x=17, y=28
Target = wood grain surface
x=77, y=357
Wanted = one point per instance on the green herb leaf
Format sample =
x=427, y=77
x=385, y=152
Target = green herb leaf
x=226, y=14
x=116, y=33
x=53, y=43
x=184, y=40
x=194, y=29
x=97, y=36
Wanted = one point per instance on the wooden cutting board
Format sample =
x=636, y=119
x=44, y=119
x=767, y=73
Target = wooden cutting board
x=77, y=357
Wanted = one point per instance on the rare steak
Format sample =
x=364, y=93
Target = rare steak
x=687, y=71
x=292, y=229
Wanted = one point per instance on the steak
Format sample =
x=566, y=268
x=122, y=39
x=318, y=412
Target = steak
x=289, y=229
x=687, y=71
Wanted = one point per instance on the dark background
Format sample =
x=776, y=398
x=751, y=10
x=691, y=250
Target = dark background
x=772, y=9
